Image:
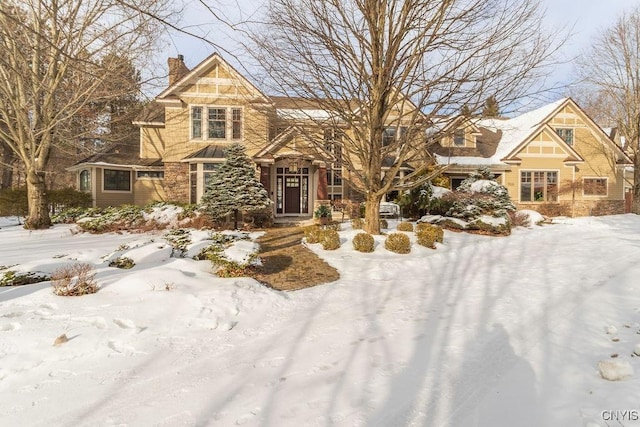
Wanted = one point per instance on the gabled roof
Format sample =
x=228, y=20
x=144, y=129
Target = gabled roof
x=173, y=90
x=151, y=115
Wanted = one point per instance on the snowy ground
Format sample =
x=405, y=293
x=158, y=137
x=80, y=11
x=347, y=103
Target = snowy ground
x=482, y=331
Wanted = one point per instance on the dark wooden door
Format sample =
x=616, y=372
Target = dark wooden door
x=292, y=194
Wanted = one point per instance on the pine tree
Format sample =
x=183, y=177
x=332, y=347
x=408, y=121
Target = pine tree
x=491, y=107
x=465, y=111
x=234, y=187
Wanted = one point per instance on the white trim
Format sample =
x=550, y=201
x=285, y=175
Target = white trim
x=532, y=183
x=228, y=126
x=118, y=191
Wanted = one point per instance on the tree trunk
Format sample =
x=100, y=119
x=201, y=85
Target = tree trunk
x=36, y=193
x=635, y=205
x=6, y=180
x=235, y=219
x=372, y=213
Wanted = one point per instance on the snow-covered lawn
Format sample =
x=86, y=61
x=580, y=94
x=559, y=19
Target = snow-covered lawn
x=482, y=331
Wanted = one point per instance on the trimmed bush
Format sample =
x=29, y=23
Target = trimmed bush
x=438, y=232
x=363, y=242
x=74, y=280
x=428, y=234
x=330, y=240
x=357, y=223
x=405, y=226
x=12, y=278
x=398, y=243
x=312, y=233
x=179, y=239
x=384, y=224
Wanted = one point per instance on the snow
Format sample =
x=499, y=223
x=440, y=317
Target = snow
x=483, y=186
x=533, y=217
x=439, y=192
x=496, y=331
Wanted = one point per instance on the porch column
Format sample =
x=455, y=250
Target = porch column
x=265, y=178
x=323, y=191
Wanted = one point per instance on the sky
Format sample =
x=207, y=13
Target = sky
x=481, y=331
x=584, y=19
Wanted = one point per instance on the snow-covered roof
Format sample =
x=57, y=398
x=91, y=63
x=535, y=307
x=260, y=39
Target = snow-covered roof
x=514, y=131
x=303, y=114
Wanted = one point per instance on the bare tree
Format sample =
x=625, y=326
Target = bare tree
x=376, y=65
x=57, y=56
x=611, y=68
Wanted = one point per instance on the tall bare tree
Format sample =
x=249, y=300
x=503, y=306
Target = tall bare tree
x=611, y=68
x=362, y=59
x=57, y=56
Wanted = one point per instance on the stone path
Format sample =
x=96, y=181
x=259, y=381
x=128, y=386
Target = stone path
x=287, y=264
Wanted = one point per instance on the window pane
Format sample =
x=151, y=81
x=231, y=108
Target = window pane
x=566, y=134
x=85, y=180
x=458, y=137
x=552, y=186
x=217, y=123
x=196, y=122
x=116, y=180
x=595, y=186
x=388, y=136
x=236, y=123
x=525, y=186
x=538, y=186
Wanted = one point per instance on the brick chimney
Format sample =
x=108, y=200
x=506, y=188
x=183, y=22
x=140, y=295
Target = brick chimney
x=177, y=69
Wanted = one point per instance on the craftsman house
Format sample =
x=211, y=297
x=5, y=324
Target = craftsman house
x=554, y=159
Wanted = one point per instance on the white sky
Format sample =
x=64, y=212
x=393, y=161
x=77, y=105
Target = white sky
x=584, y=18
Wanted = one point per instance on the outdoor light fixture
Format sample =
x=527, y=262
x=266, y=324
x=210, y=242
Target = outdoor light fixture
x=293, y=166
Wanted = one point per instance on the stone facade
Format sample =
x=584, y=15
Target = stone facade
x=176, y=182
x=577, y=208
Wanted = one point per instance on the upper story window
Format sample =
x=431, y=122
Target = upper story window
x=458, y=138
x=566, y=134
x=217, y=123
x=392, y=134
x=220, y=123
x=196, y=122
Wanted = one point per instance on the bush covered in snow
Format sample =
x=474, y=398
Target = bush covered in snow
x=363, y=242
x=15, y=278
x=74, y=280
x=405, y=226
x=398, y=243
x=481, y=205
x=122, y=262
x=420, y=200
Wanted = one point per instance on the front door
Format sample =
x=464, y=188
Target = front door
x=292, y=194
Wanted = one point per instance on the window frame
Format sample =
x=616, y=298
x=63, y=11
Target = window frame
x=560, y=131
x=595, y=178
x=459, y=135
x=233, y=129
x=82, y=181
x=532, y=183
x=159, y=174
x=111, y=190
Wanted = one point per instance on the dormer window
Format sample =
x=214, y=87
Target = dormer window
x=220, y=123
x=458, y=138
x=566, y=134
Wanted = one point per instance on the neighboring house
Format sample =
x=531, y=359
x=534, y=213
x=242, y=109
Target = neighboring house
x=554, y=159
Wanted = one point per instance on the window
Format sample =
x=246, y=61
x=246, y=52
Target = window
x=594, y=186
x=458, y=138
x=208, y=169
x=388, y=136
x=538, y=186
x=117, y=180
x=566, y=134
x=85, y=180
x=236, y=123
x=196, y=122
x=217, y=122
x=150, y=175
